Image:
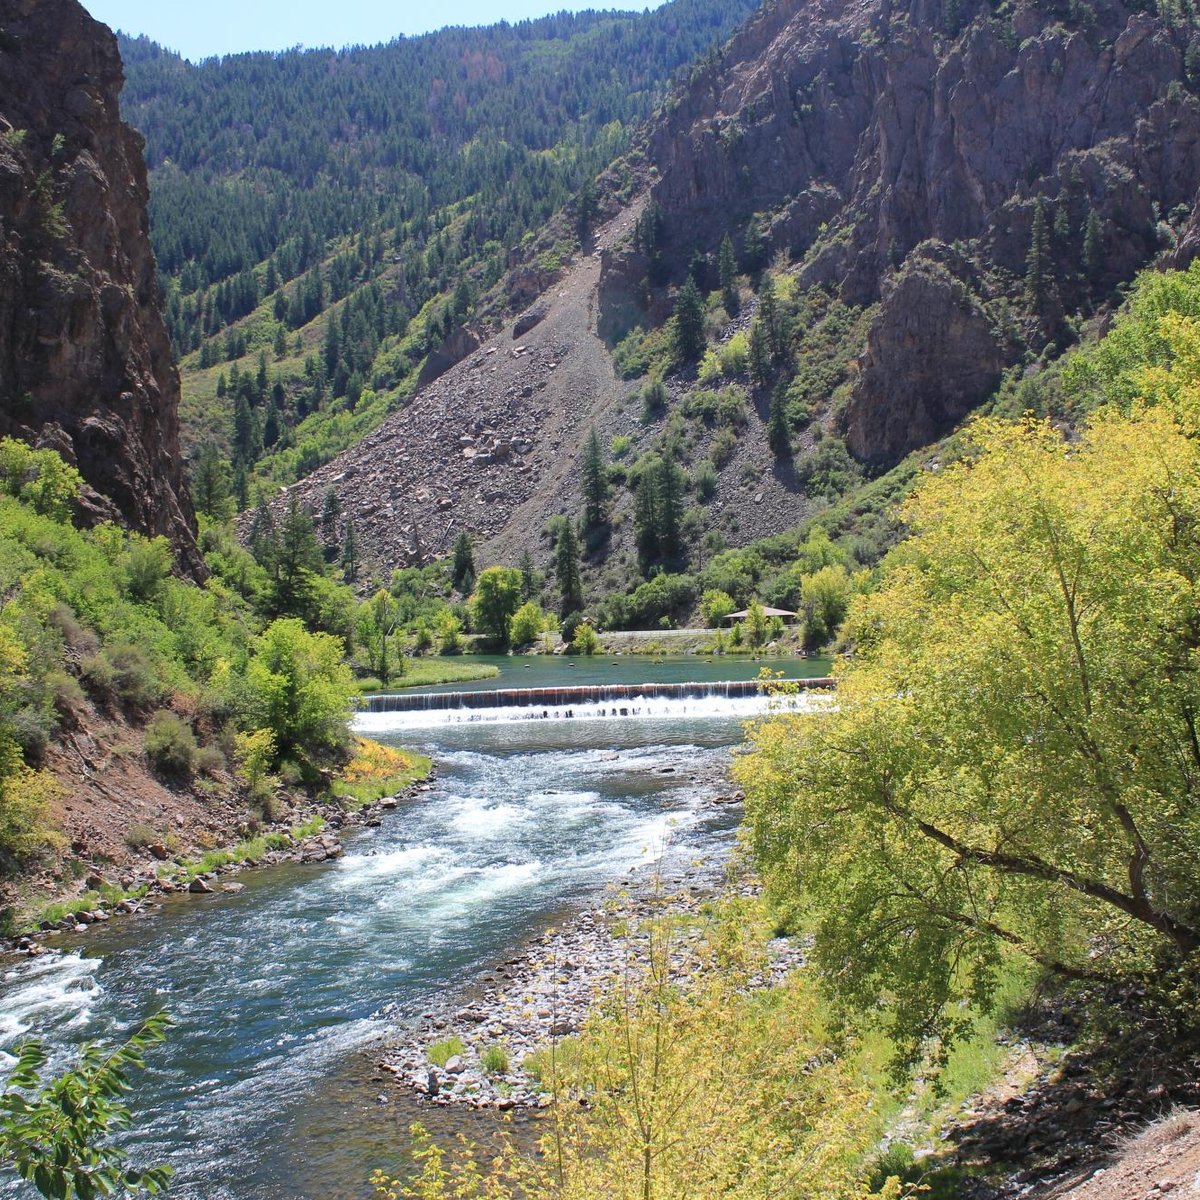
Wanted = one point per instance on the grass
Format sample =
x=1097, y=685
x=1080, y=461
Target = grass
x=564, y=1057
x=377, y=771
x=440, y=1053
x=246, y=851
x=494, y=1059
x=425, y=672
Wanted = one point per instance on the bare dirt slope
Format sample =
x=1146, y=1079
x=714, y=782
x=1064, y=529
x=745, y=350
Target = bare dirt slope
x=492, y=446
x=1164, y=1161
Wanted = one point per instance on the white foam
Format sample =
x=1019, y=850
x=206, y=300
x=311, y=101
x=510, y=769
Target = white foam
x=56, y=989
x=658, y=708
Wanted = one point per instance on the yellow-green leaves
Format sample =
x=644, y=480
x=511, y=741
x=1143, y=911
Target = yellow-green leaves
x=1013, y=760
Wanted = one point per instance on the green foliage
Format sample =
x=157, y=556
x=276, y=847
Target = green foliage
x=527, y=624
x=1009, y=766
x=594, y=484
x=298, y=686
x=658, y=513
x=828, y=471
x=440, y=1053
x=688, y=322
x=704, y=479
x=40, y=478
x=724, y=407
x=715, y=606
x=494, y=1059
x=497, y=597
x=566, y=569
x=462, y=570
x=585, y=640
x=55, y=1132
x=170, y=744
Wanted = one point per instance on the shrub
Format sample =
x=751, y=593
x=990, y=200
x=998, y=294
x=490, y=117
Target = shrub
x=704, y=479
x=619, y=446
x=585, y=640
x=123, y=672
x=724, y=444
x=210, y=760
x=526, y=624
x=139, y=836
x=170, y=744
x=654, y=399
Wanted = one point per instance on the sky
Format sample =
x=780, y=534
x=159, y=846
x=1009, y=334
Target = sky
x=201, y=29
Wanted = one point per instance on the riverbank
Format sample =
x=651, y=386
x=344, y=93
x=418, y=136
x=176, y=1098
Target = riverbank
x=310, y=831
x=491, y=1049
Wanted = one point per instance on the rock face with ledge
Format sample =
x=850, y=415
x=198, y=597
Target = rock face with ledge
x=897, y=152
x=85, y=361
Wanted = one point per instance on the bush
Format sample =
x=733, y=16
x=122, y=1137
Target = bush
x=139, y=836
x=123, y=672
x=170, y=744
x=704, y=478
x=724, y=444
x=527, y=624
x=715, y=606
x=585, y=640
x=654, y=399
x=210, y=761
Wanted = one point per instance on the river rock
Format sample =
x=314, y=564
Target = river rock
x=232, y=887
x=199, y=887
x=455, y=1065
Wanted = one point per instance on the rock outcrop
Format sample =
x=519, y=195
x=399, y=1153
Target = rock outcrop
x=85, y=362
x=859, y=134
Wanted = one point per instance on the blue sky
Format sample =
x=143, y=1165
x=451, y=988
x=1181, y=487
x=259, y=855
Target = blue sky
x=199, y=28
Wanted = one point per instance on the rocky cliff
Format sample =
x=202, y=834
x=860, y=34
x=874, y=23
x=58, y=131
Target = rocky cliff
x=85, y=364
x=901, y=151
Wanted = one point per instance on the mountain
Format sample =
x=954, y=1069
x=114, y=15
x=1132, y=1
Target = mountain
x=85, y=362
x=921, y=202
x=326, y=221
x=988, y=176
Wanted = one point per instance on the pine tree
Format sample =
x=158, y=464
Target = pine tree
x=727, y=269
x=754, y=245
x=645, y=518
x=331, y=520
x=670, y=510
x=529, y=579
x=566, y=570
x=778, y=436
x=462, y=567
x=585, y=211
x=350, y=552
x=689, y=322
x=297, y=560
x=262, y=541
x=760, y=355
x=1037, y=261
x=1093, y=247
x=211, y=483
x=595, y=484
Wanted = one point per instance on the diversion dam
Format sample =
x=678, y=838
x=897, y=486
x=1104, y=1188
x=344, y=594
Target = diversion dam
x=601, y=701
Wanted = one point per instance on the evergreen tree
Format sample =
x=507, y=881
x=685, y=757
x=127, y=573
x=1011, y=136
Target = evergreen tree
x=211, y=484
x=297, y=559
x=754, y=245
x=595, y=484
x=689, y=322
x=262, y=541
x=760, y=355
x=331, y=520
x=529, y=579
x=1037, y=261
x=566, y=569
x=241, y=487
x=1093, y=247
x=462, y=568
x=585, y=211
x=645, y=519
x=727, y=268
x=350, y=552
x=778, y=436
x=671, y=485
x=774, y=325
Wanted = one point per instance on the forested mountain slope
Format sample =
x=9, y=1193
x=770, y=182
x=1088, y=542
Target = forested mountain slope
x=862, y=221
x=339, y=213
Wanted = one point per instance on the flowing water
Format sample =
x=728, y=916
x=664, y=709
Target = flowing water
x=274, y=989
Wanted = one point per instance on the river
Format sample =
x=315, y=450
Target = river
x=259, y=1093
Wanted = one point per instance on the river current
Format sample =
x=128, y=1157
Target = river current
x=275, y=989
